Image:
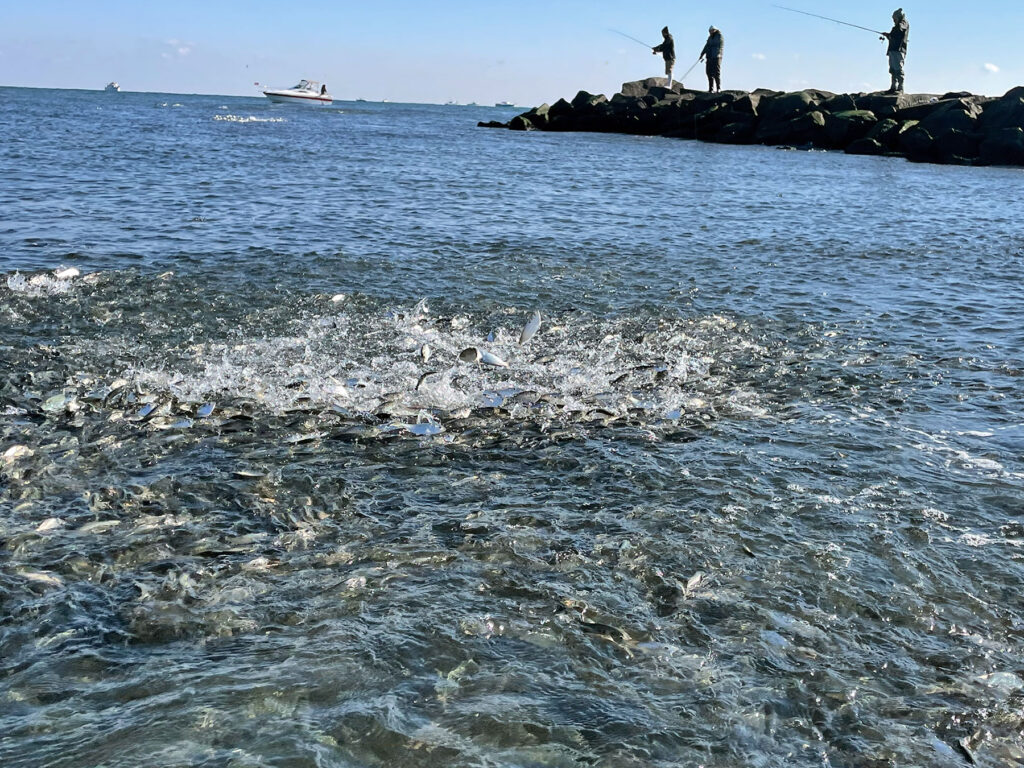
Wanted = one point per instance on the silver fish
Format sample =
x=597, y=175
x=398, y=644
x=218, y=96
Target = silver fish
x=425, y=352
x=205, y=410
x=147, y=409
x=531, y=327
x=424, y=429
x=488, y=358
x=470, y=355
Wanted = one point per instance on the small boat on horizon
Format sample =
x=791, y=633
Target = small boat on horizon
x=504, y=104
x=112, y=87
x=306, y=92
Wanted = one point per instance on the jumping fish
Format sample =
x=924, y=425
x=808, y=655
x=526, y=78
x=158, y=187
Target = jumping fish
x=205, y=410
x=425, y=352
x=423, y=429
x=490, y=359
x=40, y=577
x=474, y=355
x=531, y=327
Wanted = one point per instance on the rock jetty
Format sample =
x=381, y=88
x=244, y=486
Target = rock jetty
x=956, y=128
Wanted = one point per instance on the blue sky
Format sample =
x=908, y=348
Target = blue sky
x=529, y=51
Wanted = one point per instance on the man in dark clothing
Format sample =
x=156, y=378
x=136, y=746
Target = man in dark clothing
x=897, y=50
x=668, y=51
x=713, y=52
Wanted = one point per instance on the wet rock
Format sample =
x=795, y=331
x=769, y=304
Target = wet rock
x=584, y=100
x=865, y=146
x=1006, y=112
x=843, y=128
x=639, y=88
x=886, y=132
x=844, y=102
x=1004, y=146
x=521, y=123
x=781, y=109
x=492, y=124
x=949, y=134
x=808, y=128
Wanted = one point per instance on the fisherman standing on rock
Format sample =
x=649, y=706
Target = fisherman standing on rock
x=668, y=51
x=713, y=51
x=897, y=50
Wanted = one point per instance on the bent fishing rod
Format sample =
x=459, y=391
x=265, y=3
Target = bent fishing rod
x=630, y=37
x=837, y=21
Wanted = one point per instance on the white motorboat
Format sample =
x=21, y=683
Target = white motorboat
x=112, y=87
x=308, y=92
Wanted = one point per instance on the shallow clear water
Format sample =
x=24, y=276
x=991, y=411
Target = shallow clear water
x=751, y=495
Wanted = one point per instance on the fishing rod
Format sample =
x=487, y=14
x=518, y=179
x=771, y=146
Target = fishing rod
x=687, y=72
x=837, y=21
x=630, y=37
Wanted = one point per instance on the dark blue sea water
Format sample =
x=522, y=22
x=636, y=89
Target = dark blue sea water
x=751, y=495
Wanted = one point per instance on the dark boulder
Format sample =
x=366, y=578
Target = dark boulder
x=639, y=88
x=492, y=124
x=785, y=106
x=844, y=102
x=887, y=104
x=959, y=114
x=1003, y=146
x=560, y=108
x=779, y=115
x=954, y=130
x=957, y=147
x=922, y=111
x=584, y=100
x=916, y=143
x=808, y=128
x=537, y=118
x=741, y=132
x=886, y=133
x=842, y=128
x=1006, y=112
x=521, y=123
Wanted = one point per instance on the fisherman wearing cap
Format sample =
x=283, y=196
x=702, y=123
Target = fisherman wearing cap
x=668, y=51
x=897, y=49
x=713, y=52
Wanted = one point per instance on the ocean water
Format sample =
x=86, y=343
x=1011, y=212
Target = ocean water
x=752, y=494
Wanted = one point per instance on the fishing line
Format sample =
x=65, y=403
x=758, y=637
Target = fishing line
x=829, y=18
x=630, y=37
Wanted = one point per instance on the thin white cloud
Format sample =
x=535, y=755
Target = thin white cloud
x=759, y=56
x=179, y=48
x=991, y=68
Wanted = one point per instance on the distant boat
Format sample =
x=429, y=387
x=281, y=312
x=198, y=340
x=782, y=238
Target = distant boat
x=112, y=87
x=307, y=92
x=504, y=104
